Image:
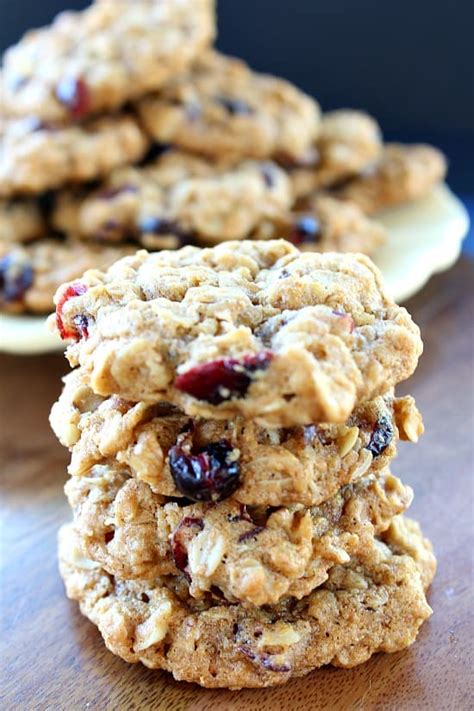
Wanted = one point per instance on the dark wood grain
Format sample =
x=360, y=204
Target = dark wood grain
x=52, y=658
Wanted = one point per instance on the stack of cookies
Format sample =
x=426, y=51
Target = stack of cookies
x=121, y=126
x=231, y=419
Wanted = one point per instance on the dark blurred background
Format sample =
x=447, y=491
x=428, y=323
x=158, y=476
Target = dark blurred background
x=409, y=63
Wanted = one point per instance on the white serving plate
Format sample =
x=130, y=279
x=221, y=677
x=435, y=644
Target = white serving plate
x=425, y=237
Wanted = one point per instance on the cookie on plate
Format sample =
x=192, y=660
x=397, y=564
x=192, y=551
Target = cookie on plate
x=30, y=274
x=373, y=603
x=178, y=199
x=348, y=142
x=96, y=60
x=251, y=555
x=35, y=156
x=21, y=221
x=323, y=224
x=256, y=329
x=403, y=173
x=220, y=106
x=172, y=453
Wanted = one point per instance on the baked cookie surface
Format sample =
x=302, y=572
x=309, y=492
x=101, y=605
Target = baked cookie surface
x=178, y=199
x=95, y=60
x=248, y=555
x=246, y=328
x=222, y=107
x=35, y=157
x=373, y=603
x=173, y=453
x=30, y=274
x=21, y=221
x=323, y=224
x=403, y=173
x=348, y=143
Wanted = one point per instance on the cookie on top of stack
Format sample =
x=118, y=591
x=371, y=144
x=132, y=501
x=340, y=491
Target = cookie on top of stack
x=232, y=420
x=121, y=126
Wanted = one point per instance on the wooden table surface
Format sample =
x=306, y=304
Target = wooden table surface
x=52, y=658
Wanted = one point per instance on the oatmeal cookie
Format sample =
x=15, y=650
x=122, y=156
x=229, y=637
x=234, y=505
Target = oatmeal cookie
x=323, y=224
x=405, y=536
x=30, y=274
x=173, y=453
x=251, y=555
x=404, y=173
x=222, y=107
x=246, y=328
x=95, y=60
x=35, y=157
x=176, y=200
x=21, y=221
x=373, y=603
x=348, y=142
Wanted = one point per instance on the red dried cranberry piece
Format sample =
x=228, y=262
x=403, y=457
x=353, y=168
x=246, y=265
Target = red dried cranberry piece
x=222, y=379
x=306, y=229
x=73, y=93
x=16, y=276
x=181, y=536
x=234, y=106
x=382, y=435
x=212, y=473
x=81, y=322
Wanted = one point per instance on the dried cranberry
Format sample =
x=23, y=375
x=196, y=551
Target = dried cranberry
x=158, y=226
x=381, y=437
x=234, y=106
x=222, y=379
x=181, y=536
x=212, y=473
x=73, y=93
x=305, y=229
x=80, y=321
x=16, y=276
x=252, y=533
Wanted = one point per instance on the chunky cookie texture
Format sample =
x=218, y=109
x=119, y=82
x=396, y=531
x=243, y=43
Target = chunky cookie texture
x=348, y=143
x=323, y=224
x=403, y=173
x=222, y=107
x=254, y=556
x=172, y=453
x=247, y=328
x=178, y=199
x=35, y=156
x=96, y=60
x=21, y=221
x=31, y=274
x=374, y=602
